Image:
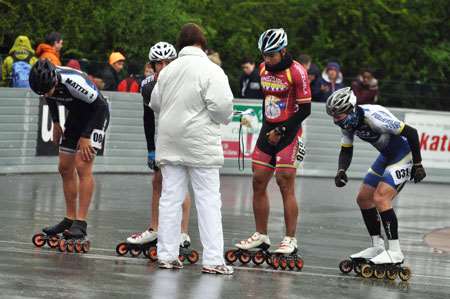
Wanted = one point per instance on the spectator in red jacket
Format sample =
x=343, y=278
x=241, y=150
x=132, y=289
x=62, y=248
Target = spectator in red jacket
x=365, y=87
x=130, y=83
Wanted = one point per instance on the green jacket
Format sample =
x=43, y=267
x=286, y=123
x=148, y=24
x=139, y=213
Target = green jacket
x=21, y=49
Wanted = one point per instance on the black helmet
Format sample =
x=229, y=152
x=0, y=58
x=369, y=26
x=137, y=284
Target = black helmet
x=42, y=77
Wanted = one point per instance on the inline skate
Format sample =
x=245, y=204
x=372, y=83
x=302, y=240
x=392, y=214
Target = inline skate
x=185, y=252
x=358, y=259
x=52, y=234
x=387, y=264
x=138, y=243
x=255, y=249
x=286, y=255
x=75, y=238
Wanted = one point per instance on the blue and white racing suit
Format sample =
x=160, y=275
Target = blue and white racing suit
x=382, y=129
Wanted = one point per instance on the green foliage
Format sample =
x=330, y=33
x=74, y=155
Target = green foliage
x=408, y=40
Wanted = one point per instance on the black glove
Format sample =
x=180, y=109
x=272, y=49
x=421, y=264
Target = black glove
x=341, y=178
x=417, y=173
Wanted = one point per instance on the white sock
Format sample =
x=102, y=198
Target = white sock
x=377, y=240
x=394, y=245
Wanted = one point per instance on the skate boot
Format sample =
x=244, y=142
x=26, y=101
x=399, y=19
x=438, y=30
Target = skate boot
x=387, y=264
x=75, y=238
x=185, y=252
x=356, y=260
x=286, y=255
x=52, y=234
x=144, y=242
x=258, y=242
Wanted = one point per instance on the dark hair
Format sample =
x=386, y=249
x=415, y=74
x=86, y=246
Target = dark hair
x=133, y=68
x=247, y=60
x=366, y=69
x=52, y=38
x=304, y=59
x=191, y=34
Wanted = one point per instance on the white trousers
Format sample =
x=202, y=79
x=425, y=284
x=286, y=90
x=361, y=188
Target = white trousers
x=206, y=185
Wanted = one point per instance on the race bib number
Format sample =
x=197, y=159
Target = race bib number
x=301, y=152
x=97, y=138
x=401, y=173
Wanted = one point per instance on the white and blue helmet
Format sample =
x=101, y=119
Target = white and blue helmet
x=162, y=51
x=272, y=41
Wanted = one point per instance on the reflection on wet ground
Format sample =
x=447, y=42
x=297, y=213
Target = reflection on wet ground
x=330, y=229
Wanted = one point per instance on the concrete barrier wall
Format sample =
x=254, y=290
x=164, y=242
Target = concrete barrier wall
x=125, y=149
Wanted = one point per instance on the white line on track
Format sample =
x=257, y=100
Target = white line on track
x=141, y=260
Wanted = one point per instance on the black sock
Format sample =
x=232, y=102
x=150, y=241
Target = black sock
x=390, y=224
x=372, y=221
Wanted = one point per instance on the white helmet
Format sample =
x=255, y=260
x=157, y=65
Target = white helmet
x=341, y=101
x=272, y=40
x=162, y=51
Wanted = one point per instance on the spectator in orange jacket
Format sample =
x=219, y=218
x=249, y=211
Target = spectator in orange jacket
x=51, y=48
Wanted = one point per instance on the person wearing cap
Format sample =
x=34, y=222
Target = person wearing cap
x=51, y=48
x=331, y=81
x=110, y=74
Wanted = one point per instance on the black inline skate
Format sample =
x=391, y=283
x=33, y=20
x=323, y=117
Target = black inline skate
x=186, y=253
x=52, y=234
x=255, y=249
x=75, y=238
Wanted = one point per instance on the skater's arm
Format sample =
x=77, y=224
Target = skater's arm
x=417, y=171
x=345, y=157
x=53, y=108
x=295, y=121
x=149, y=128
x=413, y=140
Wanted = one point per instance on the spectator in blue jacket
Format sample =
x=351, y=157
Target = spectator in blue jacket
x=332, y=80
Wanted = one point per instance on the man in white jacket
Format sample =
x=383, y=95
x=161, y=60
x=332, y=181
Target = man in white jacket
x=192, y=98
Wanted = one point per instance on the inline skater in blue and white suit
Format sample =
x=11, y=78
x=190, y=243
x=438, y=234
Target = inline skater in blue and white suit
x=399, y=161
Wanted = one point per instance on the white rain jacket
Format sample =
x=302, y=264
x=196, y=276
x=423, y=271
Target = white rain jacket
x=191, y=99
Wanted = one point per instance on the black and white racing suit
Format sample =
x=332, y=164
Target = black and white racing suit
x=88, y=111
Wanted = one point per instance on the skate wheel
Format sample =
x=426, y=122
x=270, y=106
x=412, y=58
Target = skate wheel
x=366, y=271
x=269, y=260
x=53, y=241
x=357, y=269
x=258, y=258
x=392, y=274
x=86, y=246
x=122, y=249
x=193, y=257
x=78, y=246
x=275, y=262
x=245, y=258
x=153, y=254
x=405, y=273
x=62, y=245
x=38, y=240
x=283, y=263
x=135, y=252
x=70, y=246
x=181, y=258
x=346, y=266
x=230, y=256
x=379, y=272
x=299, y=264
x=291, y=264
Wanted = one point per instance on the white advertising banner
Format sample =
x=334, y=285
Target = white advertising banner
x=434, y=137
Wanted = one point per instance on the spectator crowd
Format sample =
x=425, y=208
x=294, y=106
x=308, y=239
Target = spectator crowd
x=119, y=75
